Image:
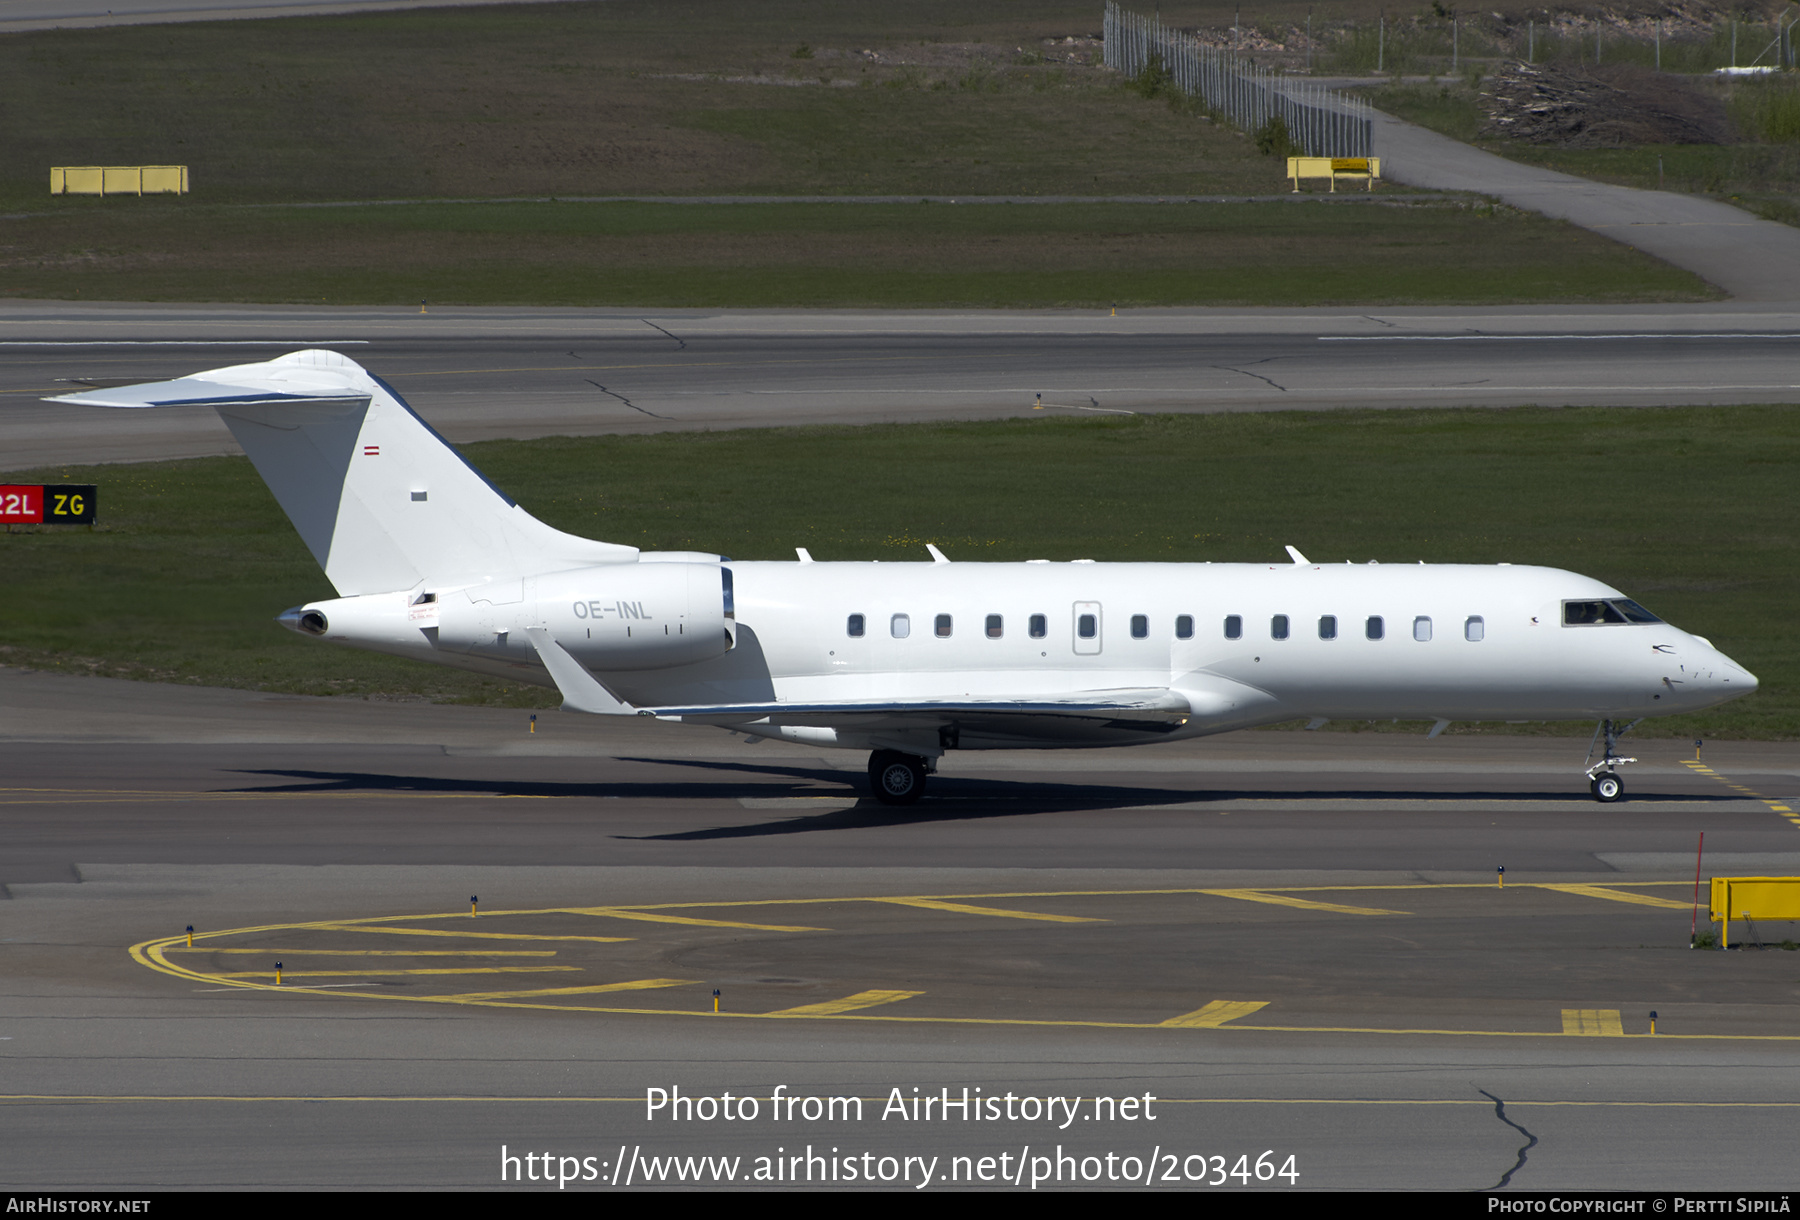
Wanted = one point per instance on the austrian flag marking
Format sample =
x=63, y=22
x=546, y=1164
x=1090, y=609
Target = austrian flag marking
x=371, y=450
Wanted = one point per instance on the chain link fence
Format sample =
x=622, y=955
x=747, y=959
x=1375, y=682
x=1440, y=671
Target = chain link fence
x=1320, y=122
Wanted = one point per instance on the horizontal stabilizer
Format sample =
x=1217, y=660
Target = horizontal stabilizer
x=193, y=392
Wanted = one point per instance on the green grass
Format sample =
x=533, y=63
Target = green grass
x=1690, y=510
x=843, y=255
x=609, y=98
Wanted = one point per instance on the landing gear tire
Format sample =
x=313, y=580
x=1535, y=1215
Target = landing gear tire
x=898, y=779
x=1608, y=788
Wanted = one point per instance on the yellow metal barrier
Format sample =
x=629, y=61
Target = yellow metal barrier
x=1749, y=898
x=119, y=180
x=1366, y=169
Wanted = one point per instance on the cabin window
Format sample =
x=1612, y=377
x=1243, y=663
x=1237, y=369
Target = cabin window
x=1474, y=628
x=1140, y=627
x=942, y=626
x=1039, y=627
x=1087, y=626
x=1328, y=626
x=1422, y=629
x=996, y=626
x=854, y=628
x=1278, y=627
x=900, y=626
x=1184, y=626
x=1374, y=628
x=1234, y=626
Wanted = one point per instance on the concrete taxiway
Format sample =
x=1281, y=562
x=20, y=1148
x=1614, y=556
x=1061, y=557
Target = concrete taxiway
x=478, y=374
x=1294, y=942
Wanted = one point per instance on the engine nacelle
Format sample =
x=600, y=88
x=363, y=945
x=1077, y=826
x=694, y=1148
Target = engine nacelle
x=611, y=617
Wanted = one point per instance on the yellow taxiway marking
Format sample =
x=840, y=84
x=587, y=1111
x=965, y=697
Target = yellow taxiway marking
x=386, y=931
x=963, y=908
x=1216, y=1014
x=374, y=952
x=597, y=989
x=850, y=1003
x=1592, y=1022
x=333, y=974
x=1775, y=806
x=1306, y=904
x=1601, y=891
x=659, y=917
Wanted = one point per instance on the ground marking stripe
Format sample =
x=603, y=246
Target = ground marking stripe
x=1601, y=891
x=1307, y=904
x=962, y=908
x=1774, y=803
x=373, y=952
x=1266, y=889
x=633, y=985
x=850, y=1003
x=322, y=974
x=335, y=927
x=658, y=917
x=1216, y=1014
x=1592, y=1022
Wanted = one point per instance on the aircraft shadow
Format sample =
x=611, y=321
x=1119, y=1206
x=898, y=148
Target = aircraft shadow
x=949, y=798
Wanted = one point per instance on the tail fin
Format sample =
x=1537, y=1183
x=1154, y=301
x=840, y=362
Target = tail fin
x=382, y=501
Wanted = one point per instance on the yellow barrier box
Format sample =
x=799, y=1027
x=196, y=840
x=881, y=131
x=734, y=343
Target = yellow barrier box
x=1365, y=169
x=1770, y=898
x=119, y=180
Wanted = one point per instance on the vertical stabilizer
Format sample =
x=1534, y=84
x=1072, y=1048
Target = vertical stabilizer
x=381, y=500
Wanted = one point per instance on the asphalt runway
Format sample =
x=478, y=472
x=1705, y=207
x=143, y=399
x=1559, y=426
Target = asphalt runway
x=477, y=374
x=1272, y=943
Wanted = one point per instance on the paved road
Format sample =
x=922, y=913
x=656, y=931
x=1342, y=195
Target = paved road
x=1752, y=259
x=1291, y=941
x=82, y=14
x=484, y=373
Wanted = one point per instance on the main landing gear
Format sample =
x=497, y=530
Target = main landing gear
x=1603, y=777
x=898, y=779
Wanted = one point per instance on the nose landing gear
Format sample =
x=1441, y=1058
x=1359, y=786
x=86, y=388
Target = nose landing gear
x=1603, y=777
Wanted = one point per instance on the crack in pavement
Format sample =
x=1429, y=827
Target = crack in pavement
x=1500, y=1112
x=678, y=339
x=1232, y=369
x=627, y=401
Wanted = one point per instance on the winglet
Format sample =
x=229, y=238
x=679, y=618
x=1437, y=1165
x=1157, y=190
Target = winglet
x=580, y=690
x=937, y=556
x=804, y=554
x=1296, y=556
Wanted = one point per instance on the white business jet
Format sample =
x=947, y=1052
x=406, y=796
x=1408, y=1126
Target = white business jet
x=911, y=660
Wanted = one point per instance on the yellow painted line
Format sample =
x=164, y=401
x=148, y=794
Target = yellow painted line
x=1216, y=1014
x=850, y=1003
x=633, y=985
x=1305, y=904
x=963, y=908
x=1592, y=1022
x=1601, y=891
x=332, y=974
x=375, y=952
x=658, y=917
x=348, y=927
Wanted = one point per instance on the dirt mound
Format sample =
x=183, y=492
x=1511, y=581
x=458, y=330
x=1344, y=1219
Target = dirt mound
x=1604, y=107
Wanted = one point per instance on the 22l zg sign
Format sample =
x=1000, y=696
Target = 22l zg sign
x=50, y=504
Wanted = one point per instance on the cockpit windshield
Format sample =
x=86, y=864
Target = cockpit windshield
x=1604, y=613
